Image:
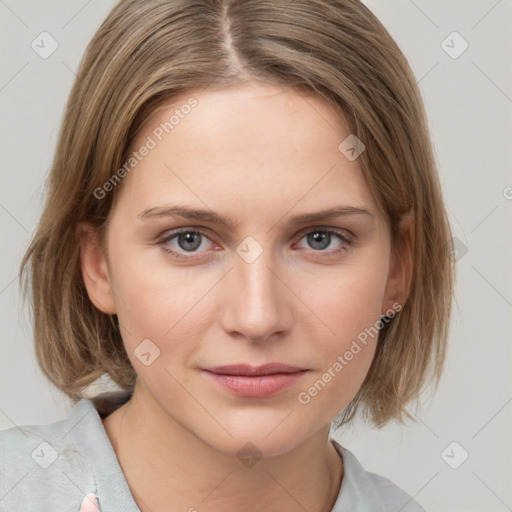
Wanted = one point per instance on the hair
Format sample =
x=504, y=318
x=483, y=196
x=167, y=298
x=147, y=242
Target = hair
x=146, y=53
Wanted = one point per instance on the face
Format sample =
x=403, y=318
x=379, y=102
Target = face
x=265, y=284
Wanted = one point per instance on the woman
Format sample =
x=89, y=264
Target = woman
x=245, y=230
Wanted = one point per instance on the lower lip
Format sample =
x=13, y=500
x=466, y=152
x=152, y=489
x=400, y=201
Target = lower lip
x=257, y=387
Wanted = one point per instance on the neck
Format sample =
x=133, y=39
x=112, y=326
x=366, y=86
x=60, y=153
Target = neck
x=166, y=465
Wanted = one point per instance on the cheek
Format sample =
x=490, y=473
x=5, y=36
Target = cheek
x=167, y=305
x=148, y=292
x=349, y=302
x=349, y=309
x=345, y=352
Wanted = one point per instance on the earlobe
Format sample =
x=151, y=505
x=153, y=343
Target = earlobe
x=401, y=265
x=94, y=268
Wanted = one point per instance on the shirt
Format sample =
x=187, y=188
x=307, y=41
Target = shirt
x=53, y=467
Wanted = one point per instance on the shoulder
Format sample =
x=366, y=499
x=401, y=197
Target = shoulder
x=365, y=491
x=41, y=466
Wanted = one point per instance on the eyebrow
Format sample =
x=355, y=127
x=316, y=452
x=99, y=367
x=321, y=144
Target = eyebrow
x=210, y=216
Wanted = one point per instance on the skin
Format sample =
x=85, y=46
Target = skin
x=259, y=154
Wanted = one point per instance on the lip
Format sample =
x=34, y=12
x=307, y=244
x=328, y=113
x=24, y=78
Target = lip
x=256, y=381
x=244, y=369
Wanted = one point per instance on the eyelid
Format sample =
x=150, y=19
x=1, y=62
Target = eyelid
x=171, y=233
x=345, y=233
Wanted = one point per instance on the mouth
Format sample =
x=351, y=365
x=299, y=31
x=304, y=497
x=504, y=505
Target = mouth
x=256, y=382
x=254, y=371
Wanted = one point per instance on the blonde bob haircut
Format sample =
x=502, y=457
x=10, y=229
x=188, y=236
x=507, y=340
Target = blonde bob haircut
x=147, y=52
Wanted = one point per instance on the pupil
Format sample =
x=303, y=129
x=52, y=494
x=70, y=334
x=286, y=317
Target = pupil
x=189, y=242
x=320, y=237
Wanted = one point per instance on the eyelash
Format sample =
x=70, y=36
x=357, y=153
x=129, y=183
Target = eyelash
x=345, y=237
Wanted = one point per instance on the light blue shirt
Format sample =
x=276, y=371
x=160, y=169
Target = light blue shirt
x=53, y=467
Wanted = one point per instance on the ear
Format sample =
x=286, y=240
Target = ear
x=400, y=265
x=93, y=264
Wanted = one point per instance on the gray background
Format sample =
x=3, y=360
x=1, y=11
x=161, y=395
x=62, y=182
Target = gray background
x=469, y=103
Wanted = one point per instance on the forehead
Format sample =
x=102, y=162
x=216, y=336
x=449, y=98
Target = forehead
x=255, y=146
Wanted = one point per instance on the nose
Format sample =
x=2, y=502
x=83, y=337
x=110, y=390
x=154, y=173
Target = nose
x=258, y=304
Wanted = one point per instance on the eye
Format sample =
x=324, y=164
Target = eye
x=187, y=241
x=321, y=238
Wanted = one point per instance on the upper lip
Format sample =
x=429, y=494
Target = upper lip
x=246, y=369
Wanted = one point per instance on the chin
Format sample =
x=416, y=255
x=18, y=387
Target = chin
x=268, y=437
x=250, y=449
